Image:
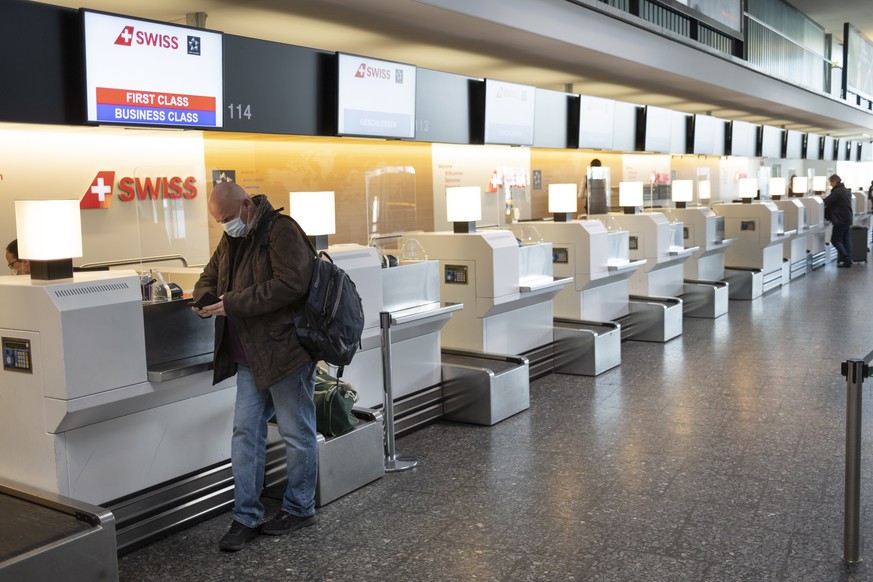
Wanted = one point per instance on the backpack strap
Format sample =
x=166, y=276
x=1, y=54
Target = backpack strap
x=279, y=216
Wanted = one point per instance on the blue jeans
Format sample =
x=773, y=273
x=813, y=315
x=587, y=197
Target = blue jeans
x=291, y=400
x=842, y=241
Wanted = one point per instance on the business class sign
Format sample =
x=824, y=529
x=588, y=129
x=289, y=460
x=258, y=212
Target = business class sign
x=140, y=72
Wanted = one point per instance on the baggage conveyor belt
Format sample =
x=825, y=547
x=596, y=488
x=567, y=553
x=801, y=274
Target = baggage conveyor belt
x=45, y=537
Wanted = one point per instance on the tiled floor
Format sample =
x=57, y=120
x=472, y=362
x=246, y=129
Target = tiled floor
x=716, y=456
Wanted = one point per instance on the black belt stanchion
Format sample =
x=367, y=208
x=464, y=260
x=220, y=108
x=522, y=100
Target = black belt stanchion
x=855, y=371
x=393, y=462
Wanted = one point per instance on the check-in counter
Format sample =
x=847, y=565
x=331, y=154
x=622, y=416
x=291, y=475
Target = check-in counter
x=411, y=298
x=753, y=265
x=587, y=311
x=507, y=290
x=816, y=241
x=114, y=403
x=794, y=250
x=108, y=391
x=706, y=293
x=656, y=288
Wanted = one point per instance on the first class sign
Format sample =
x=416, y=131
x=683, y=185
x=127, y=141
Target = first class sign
x=146, y=73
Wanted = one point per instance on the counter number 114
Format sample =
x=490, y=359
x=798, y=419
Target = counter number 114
x=238, y=111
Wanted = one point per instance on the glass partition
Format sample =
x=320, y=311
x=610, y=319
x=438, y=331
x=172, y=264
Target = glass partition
x=676, y=236
x=618, y=248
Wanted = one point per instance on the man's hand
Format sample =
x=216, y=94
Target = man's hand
x=210, y=310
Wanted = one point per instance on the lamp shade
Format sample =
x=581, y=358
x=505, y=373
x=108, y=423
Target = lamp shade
x=819, y=183
x=777, y=186
x=748, y=188
x=562, y=198
x=464, y=204
x=704, y=191
x=48, y=229
x=799, y=185
x=630, y=194
x=682, y=190
x=315, y=212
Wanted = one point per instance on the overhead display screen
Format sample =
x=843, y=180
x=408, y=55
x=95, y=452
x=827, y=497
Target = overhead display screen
x=596, y=122
x=658, y=129
x=551, y=119
x=827, y=148
x=813, y=146
x=679, y=132
x=139, y=72
x=509, y=113
x=271, y=87
x=375, y=98
x=744, y=138
x=771, y=141
x=442, y=106
x=708, y=135
x=793, y=144
x=624, y=128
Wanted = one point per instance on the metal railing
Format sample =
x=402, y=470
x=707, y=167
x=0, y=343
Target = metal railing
x=855, y=371
x=135, y=261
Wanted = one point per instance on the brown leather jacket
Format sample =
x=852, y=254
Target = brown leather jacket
x=271, y=266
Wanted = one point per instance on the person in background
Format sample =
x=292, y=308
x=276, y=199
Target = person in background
x=593, y=188
x=838, y=209
x=260, y=272
x=16, y=265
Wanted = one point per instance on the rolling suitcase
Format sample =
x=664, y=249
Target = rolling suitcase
x=859, y=236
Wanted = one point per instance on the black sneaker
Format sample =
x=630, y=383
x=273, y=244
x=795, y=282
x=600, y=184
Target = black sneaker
x=237, y=537
x=285, y=522
x=844, y=264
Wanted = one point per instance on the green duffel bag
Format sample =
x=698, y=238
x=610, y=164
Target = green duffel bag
x=334, y=400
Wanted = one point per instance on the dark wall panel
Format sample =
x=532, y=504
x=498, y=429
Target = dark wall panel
x=551, y=115
x=271, y=87
x=442, y=107
x=43, y=64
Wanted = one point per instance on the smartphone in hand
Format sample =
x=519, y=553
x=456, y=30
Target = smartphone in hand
x=207, y=299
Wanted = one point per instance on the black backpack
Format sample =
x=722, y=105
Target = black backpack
x=331, y=320
x=330, y=323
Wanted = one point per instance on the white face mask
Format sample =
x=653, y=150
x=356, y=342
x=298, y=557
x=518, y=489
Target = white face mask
x=235, y=227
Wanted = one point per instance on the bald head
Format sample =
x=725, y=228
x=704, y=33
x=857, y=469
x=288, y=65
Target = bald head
x=227, y=200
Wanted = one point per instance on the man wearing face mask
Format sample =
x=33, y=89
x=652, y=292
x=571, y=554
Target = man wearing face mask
x=260, y=272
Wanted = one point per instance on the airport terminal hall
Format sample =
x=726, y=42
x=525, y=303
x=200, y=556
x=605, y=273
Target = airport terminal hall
x=436, y=290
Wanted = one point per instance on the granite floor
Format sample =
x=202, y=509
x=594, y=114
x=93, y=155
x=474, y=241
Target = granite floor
x=718, y=456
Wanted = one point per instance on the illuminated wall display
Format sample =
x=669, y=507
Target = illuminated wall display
x=145, y=73
x=375, y=98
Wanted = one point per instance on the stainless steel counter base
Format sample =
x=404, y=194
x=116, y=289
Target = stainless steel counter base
x=345, y=463
x=652, y=319
x=706, y=299
x=816, y=260
x=350, y=461
x=746, y=284
x=797, y=269
x=586, y=348
x=480, y=388
x=52, y=537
